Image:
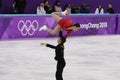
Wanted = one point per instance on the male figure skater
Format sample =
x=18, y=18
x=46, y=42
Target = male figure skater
x=65, y=24
x=59, y=50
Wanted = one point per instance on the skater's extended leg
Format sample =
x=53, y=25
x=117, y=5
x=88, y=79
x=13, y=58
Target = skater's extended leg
x=56, y=29
x=56, y=15
x=60, y=67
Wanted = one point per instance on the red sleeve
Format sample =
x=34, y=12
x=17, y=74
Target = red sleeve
x=68, y=33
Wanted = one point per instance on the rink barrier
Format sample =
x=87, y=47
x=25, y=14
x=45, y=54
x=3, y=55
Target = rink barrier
x=27, y=26
x=118, y=24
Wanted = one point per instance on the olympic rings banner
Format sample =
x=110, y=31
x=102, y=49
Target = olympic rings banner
x=14, y=27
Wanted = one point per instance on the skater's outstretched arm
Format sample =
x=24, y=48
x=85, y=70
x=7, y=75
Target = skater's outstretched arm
x=48, y=45
x=51, y=46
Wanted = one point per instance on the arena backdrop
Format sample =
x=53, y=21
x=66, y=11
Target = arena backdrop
x=32, y=4
x=27, y=26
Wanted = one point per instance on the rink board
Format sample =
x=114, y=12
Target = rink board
x=27, y=26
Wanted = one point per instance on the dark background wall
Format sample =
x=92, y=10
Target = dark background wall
x=32, y=4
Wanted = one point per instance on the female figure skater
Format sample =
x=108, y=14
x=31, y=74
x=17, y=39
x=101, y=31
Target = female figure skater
x=59, y=50
x=65, y=24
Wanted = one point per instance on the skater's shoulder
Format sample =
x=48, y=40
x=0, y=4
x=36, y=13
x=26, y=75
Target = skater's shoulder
x=61, y=46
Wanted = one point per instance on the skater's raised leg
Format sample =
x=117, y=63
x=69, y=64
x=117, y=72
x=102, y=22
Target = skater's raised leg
x=56, y=15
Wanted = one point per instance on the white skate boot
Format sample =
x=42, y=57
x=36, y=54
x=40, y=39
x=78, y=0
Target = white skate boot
x=44, y=27
x=64, y=12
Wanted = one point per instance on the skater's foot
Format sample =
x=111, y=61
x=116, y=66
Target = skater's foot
x=64, y=12
x=44, y=27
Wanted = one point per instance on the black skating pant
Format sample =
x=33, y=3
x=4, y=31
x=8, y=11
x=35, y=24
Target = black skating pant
x=60, y=67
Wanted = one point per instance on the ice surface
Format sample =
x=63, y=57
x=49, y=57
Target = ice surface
x=87, y=58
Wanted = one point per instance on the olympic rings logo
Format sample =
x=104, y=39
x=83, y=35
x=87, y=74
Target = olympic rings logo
x=28, y=27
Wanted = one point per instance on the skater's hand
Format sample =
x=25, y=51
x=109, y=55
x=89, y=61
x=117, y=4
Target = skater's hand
x=43, y=44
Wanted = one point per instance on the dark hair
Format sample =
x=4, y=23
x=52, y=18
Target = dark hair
x=45, y=1
x=56, y=3
x=100, y=5
x=41, y=2
x=67, y=5
x=63, y=39
x=77, y=25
